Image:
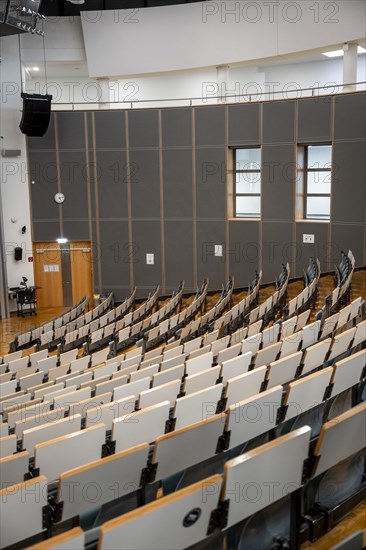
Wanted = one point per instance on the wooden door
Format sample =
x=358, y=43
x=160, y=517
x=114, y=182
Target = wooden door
x=52, y=274
x=81, y=270
x=48, y=274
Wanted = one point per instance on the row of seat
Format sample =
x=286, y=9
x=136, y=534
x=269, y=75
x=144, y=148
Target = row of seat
x=75, y=336
x=78, y=408
x=312, y=272
x=344, y=268
x=93, y=336
x=203, y=324
x=343, y=280
x=308, y=294
x=50, y=334
x=268, y=309
x=126, y=335
x=348, y=371
x=171, y=327
x=89, y=322
x=16, y=362
x=207, y=389
x=180, y=325
x=234, y=318
x=226, y=350
x=24, y=339
x=273, y=344
x=39, y=422
x=192, y=514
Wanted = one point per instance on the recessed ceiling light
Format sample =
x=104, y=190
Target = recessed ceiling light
x=340, y=53
x=336, y=53
x=35, y=68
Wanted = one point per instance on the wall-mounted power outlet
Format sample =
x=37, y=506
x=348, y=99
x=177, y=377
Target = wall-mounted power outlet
x=218, y=250
x=150, y=259
x=308, y=239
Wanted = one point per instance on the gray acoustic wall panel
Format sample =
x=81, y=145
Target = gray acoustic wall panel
x=143, y=128
x=70, y=130
x=42, y=169
x=145, y=183
x=173, y=160
x=95, y=164
x=46, y=142
x=46, y=231
x=210, y=126
x=244, y=124
x=243, y=250
x=348, y=181
x=110, y=131
x=90, y=133
x=74, y=184
x=179, y=260
x=209, y=234
x=350, y=116
x=79, y=229
x=319, y=249
x=112, y=173
x=211, y=183
x=114, y=254
x=345, y=237
x=278, y=247
x=279, y=122
x=176, y=127
x=146, y=240
x=177, y=175
x=97, y=256
x=315, y=120
x=278, y=182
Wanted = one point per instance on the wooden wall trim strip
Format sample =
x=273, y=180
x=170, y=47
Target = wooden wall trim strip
x=129, y=201
x=99, y=266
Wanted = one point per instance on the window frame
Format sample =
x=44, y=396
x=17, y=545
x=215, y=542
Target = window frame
x=236, y=194
x=306, y=171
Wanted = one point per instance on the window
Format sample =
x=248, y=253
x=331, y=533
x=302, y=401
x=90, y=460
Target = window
x=317, y=161
x=247, y=180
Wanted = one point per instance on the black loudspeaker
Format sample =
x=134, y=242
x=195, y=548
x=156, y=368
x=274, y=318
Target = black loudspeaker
x=18, y=253
x=36, y=114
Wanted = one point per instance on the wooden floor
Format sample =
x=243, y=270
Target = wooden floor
x=357, y=519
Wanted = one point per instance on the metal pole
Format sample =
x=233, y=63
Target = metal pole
x=4, y=300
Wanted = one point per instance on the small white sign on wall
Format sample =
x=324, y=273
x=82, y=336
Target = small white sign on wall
x=53, y=268
x=218, y=250
x=150, y=259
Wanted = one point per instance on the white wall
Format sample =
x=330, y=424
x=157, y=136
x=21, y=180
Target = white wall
x=14, y=181
x=63, y=41
x=205, y=34
x=283, y=79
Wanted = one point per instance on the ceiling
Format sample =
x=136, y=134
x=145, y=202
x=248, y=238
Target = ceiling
x=66, y=8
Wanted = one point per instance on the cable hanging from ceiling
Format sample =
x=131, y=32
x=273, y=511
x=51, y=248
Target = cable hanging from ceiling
x=44, y=55
x=20, y=64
